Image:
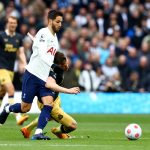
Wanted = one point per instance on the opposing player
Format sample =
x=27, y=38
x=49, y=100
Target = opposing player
x=54, y=82
x=44, y=47
x=10, y=47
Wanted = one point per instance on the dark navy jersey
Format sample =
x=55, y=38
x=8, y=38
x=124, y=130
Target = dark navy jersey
x=57, y=74
x=9, y=46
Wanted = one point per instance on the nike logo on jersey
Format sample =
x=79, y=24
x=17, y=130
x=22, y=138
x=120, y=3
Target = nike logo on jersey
x=52, y=51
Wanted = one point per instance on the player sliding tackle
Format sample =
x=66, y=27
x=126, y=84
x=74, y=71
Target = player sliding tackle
x=68, y=124
x=45, y=45
x=54, y=81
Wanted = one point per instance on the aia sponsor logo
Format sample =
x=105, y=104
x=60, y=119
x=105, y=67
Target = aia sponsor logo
x=52, y=51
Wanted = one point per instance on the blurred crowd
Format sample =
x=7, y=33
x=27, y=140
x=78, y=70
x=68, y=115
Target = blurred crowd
x=107, y=41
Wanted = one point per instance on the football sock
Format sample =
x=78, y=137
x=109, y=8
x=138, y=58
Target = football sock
x=15, y=108
x=38, y=131
x=44, y=117
x=18, y=116
x=12, y=101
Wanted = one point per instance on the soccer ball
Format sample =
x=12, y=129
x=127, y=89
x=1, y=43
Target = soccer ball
x=133, y=131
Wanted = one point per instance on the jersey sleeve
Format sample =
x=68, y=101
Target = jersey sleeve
x=20, y=40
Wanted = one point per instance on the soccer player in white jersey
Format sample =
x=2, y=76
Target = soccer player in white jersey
x=44, y=47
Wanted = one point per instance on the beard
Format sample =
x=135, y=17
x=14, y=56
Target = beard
x=54, y=28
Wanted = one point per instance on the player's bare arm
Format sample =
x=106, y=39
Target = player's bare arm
x=51, y=84
x=22, y=59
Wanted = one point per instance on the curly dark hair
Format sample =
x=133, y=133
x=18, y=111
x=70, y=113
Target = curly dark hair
x=52, y=14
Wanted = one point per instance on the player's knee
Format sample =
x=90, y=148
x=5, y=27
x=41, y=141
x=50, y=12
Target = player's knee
x=49, y=103
x=25, y=108
x=48, y=100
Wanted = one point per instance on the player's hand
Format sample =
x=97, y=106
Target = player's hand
x=74, y=90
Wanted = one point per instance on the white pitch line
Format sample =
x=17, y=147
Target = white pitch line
x=49, y=145
x=27, y=145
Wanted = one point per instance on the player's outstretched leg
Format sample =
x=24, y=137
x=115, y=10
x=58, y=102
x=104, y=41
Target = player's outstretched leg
x=26, y=131
x=4, y=114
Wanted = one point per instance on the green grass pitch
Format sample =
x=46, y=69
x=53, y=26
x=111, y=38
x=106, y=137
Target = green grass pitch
x=95, y=132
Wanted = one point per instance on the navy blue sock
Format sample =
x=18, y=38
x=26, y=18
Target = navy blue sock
x=15, y=108
x=44, y=116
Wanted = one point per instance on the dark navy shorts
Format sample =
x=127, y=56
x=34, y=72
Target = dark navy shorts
x=33, y=86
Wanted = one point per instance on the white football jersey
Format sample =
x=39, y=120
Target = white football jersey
x=44, y=47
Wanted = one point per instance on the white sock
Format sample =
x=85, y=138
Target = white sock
x=37, y=131
x=18, y=116
x=7, y=109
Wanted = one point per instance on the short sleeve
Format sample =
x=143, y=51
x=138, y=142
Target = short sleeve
x=20, y=40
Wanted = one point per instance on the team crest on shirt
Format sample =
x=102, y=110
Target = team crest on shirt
x=42, y=38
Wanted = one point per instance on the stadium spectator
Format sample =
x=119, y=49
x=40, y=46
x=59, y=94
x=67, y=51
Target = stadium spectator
x=122, y=48
x=133, y=59
x=143, y=69
x=109, y=69
x=81, y=19
x=113, y=84
x=87, y=78
x=145, y=84
x=104, y=51
x=123, y=68
x=132, y=84
x=100, y=20
x=100, y=79
x=144, y=51
x=71, y=77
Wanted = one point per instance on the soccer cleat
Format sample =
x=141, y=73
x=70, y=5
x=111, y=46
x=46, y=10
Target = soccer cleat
x=40, y=136
x=22, y=119
x=60, y=135
x=26, y=133
x=4, y=115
